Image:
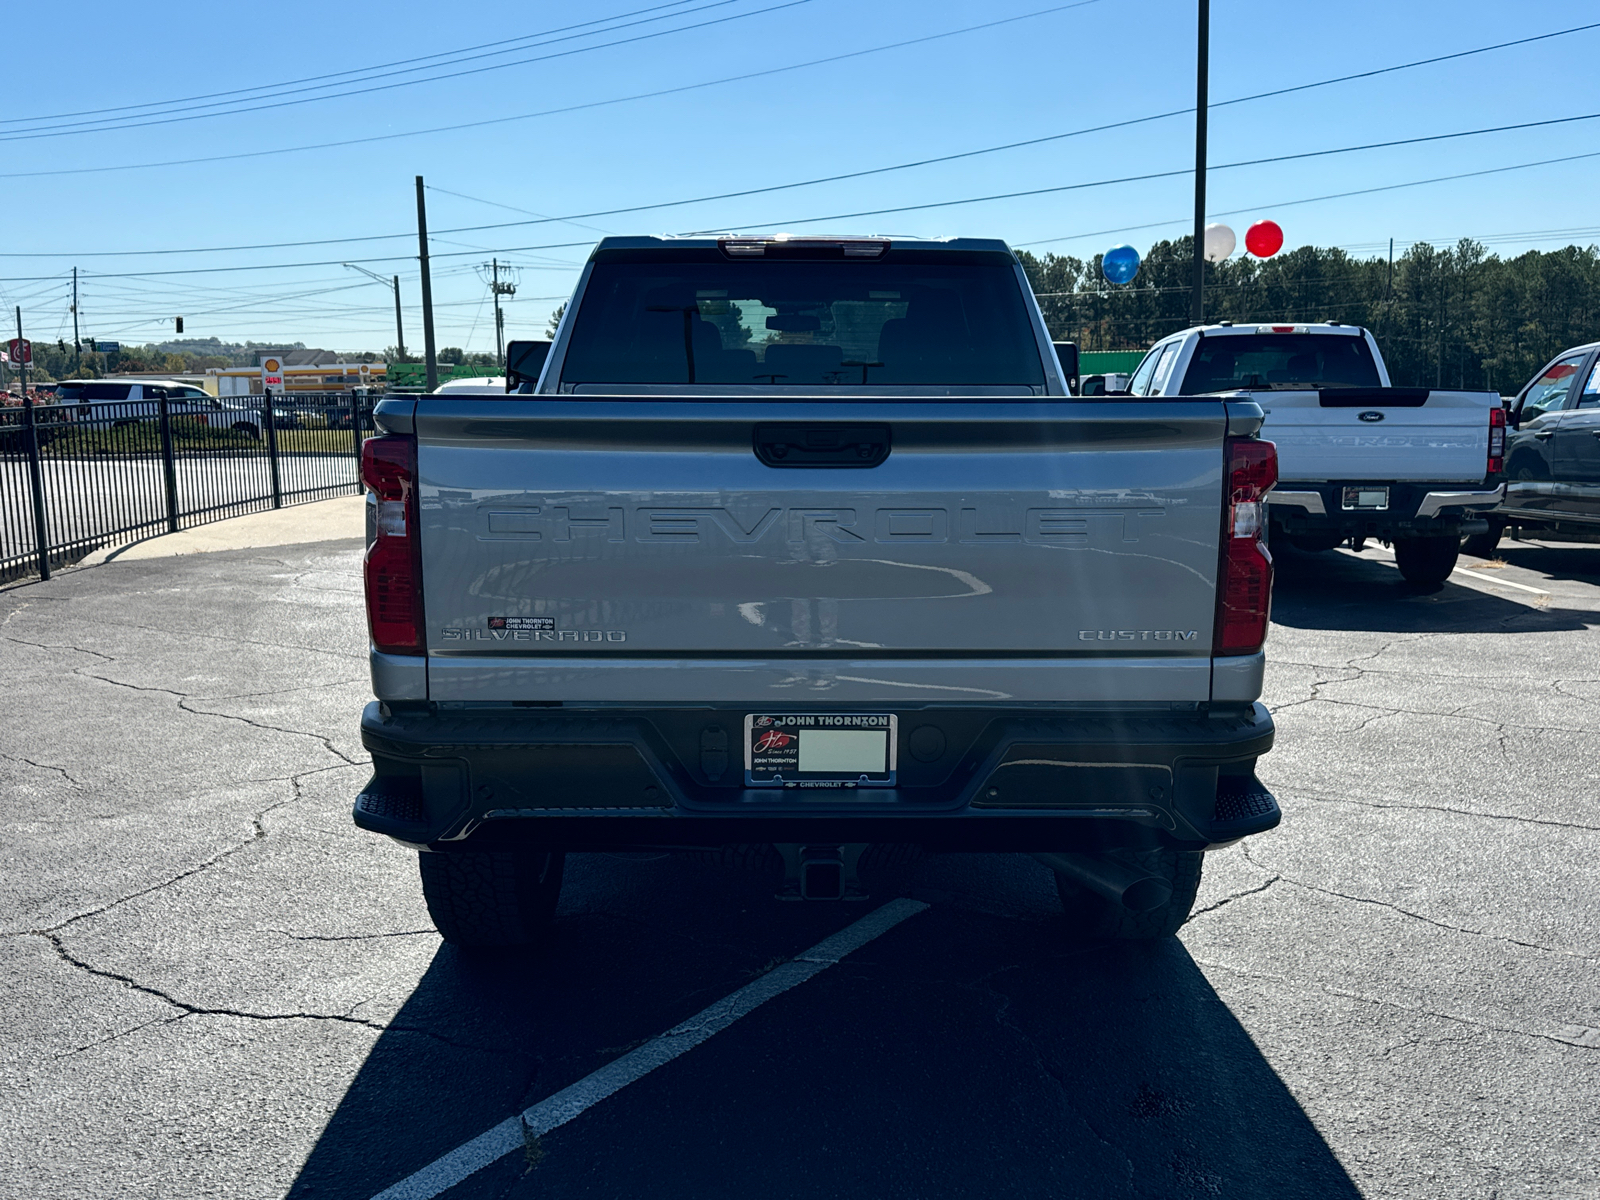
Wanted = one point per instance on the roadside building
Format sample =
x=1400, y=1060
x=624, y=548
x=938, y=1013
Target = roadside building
x=296, y=372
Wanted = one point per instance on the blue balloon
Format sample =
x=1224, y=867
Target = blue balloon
x=1120, y=264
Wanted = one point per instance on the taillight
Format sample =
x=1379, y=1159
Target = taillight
x=1244, y=591
x=394, y=561
x=1497, y=440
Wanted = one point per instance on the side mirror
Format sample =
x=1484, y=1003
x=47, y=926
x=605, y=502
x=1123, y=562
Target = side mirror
x=1067, y=355
x=1092, y=385
x=524, y=361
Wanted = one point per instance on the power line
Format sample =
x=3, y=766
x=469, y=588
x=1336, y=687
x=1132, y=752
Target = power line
x=1073, y=187
x=326, y=262
x=62, y=131
x=1486, y=238
x=672, y=91
x=511, y=208
x=389, y=66
x=1388, y=187
x=973, y=200
x=573, y=218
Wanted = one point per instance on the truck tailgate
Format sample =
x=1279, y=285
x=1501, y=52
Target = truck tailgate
x=1401, y=435
x=1034, y=551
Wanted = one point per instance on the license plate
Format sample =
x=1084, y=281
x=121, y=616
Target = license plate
x=820, y=750
x=1366, y=497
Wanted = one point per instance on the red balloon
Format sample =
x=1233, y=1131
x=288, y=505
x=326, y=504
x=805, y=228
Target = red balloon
x=1263, y=239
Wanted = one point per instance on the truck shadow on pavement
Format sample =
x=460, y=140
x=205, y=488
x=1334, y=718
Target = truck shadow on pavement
x=1580, y=563
x=973, y=1050
x=1335, y=591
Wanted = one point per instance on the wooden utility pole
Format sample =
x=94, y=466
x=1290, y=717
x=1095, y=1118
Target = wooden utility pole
x=1197, y=305
x=399, y=331
x=499, y=289
x=427, y=290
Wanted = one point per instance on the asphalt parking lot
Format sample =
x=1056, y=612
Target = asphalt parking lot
x=217, y=986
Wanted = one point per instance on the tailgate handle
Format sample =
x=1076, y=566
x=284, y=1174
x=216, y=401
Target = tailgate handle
x=1371, y=397
x=818, y=445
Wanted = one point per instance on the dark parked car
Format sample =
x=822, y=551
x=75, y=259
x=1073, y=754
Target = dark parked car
x=1553, y=454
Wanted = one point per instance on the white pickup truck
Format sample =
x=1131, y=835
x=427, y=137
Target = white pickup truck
x=799, y=549
x=1357, y=458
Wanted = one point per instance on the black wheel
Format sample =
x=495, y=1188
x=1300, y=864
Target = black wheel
x=1481, y=545
x=246, y=427
x=1427, y=561
x=1524, y=468
x=491, y=899
x=1090, y=914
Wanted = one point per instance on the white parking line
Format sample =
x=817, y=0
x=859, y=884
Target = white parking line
x=513, y=1133
x=1471, y=574
x=1521, y=587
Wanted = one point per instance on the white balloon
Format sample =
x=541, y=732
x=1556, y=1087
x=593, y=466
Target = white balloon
x=1219, y=242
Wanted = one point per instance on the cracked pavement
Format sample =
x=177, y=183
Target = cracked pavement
x=217, y=986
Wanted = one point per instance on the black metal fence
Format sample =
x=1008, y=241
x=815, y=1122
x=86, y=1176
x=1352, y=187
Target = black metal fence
x=78, y=477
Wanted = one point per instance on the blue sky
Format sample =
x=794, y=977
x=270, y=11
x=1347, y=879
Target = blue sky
x=1101, y=62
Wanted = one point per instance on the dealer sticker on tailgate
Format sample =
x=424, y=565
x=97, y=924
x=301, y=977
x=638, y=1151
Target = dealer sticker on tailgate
x=827, y=750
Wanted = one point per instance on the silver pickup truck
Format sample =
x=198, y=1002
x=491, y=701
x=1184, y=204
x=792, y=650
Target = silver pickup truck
x=799, y=551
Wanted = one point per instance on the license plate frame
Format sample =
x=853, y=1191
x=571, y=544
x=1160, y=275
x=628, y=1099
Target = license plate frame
x=1364, y=498
x=774, y=743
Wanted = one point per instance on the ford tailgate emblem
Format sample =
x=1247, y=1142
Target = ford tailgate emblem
x=1372, y=415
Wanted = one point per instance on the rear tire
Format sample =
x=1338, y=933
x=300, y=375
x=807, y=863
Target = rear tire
x=247, y=428
x=1482, y=545
x=499, y=899
x=1091, y=915
x=1427, y=561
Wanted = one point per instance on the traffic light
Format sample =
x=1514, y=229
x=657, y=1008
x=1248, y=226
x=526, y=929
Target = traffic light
x=179, y=320
x=61, y=344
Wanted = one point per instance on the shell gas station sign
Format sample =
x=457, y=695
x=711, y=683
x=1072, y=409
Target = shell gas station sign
x=271, y=373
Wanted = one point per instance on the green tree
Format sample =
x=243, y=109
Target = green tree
x=1456, y=317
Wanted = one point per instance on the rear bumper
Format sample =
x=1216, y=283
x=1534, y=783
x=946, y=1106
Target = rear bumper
x=1015, y=781
x=1414, y=510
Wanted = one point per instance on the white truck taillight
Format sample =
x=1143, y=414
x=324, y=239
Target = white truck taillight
x=1497, y=441
x=1244, y=590
x=393, y=568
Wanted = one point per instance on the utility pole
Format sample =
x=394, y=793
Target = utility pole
x=1388, y=284
x=499, y=321
x=399, y=332
x=77, y=349
x=499, y=289
x=394, y=282
x=1197, y=306
x=22, y=363
x=427, y=290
